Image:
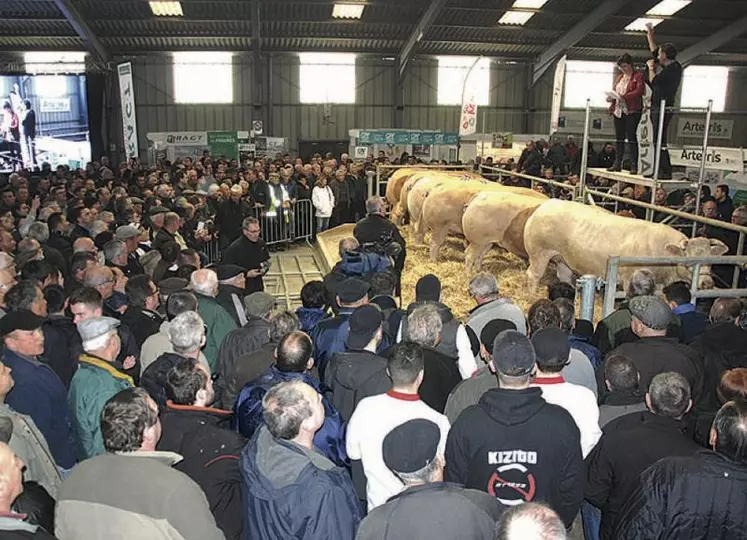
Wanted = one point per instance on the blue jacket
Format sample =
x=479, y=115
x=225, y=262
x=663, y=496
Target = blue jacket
x=693, y=322
x=39, y=393
x=329, y=440
x=592, y=353
x=294, y=492
x=309, y=317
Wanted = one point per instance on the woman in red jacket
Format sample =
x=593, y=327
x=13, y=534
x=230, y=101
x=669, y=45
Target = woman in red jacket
x=626, y=111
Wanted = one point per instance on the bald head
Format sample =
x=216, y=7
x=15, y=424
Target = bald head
x=97, y=276
x=348, y=244
x=205, y=282
x=11, y=477
x=84, y=244
x=725, y=310
x=530, y=520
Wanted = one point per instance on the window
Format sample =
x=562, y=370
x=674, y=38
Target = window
x=701, y=83
x=587, y=80
x=203, y=77
x=657, y=14
x=327, y=77
x=55, y=62
x=451, y=73
x=50, y=86
x=521, y=17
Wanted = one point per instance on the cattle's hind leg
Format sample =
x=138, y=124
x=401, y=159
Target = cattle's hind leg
x=437, y=239
x=537, y=267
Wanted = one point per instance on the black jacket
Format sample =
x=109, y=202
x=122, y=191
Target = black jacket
x=654, y=355
x=154, y=377
x=53, y=256
x=431, y=511
x=129, y=347
x=722, y=346
x=628, y=447
x=247, y=368
x=249, y=256
x=79, y=232
x=211, y=454
x=440, y=377
x=518, y=448
x=236, y=344
x=162, y=237
x=230, y=217
x=376, y=229
x=143, y=323
x=700, y=497
x=62, y=243
x=225, y=299
x=62, y=347
x=354, y=375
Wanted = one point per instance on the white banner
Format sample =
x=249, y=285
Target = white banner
x=127, y=99
x=645, y=135
x=719, y=129
x=717, y=159
x=468, y=121
x=54, y=105
x=557, y=95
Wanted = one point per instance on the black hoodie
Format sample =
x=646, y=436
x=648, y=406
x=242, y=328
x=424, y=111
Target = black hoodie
x=518, y=448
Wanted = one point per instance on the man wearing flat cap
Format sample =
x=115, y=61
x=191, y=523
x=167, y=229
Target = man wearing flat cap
x=130, y=236
x=654, y=352
x=359, y=372
x=156, y=214
x=330, y=335
x=513, y=444
x=428, y=507
x=95, y=382
x=231, y=291
x=38, y=391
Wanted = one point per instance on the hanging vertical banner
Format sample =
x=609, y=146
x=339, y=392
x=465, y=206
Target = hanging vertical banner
x=127, y=99
x=557, y=95
x=645, y=136
x=468, y=121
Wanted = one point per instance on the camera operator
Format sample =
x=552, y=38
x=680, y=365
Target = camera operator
x=376, y=233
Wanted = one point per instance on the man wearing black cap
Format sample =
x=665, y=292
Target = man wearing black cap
x=457, y=340
x=250, y=252
x=654, y=352
x=358, y=372
x=38, y=391
x=552, y=349
x=329, y=336
x=428, y=508
x=469, y=391
x=376, y=416
x=515, y=445
x=231, y=291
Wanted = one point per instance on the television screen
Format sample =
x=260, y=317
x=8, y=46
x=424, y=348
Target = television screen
x=44, y=119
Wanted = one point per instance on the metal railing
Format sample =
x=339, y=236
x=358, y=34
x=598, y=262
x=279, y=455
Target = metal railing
x=614, y=263
x=575, y=190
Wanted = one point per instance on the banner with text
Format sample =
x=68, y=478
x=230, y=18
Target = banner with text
x=719, y=129
x=223, y=143
x=719, y=159
x=407, y=137
x=127, y=99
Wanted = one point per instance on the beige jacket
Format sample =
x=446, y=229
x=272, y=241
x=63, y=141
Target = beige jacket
x=156, y=345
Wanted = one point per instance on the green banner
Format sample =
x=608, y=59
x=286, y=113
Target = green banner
x=223, y=143
x=381, y=136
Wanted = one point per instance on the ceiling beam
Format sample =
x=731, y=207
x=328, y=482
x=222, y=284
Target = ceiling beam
x=92, y=43
x=410, y=47
x=713, y=42
x=605, y=10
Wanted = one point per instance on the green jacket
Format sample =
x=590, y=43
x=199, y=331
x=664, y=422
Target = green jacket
x=93, y=384
x=218, y=322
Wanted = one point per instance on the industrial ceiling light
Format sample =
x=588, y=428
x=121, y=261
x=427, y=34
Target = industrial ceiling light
x=348, y=10
x=529, y=4
x=166, y=9
x=654, y=16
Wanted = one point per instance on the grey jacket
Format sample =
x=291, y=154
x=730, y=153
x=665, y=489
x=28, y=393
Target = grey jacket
x=29, y=444
x=133, y=495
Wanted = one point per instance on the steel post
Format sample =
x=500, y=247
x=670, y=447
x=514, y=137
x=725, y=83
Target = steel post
x=610, y=288
x=588, y=287
x=584, y=152
x=703, y=159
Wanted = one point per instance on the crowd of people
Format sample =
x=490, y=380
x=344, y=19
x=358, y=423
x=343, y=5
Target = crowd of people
x=154, y=389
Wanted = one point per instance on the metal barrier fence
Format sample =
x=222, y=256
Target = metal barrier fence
x=285, y=226
x=501, y=173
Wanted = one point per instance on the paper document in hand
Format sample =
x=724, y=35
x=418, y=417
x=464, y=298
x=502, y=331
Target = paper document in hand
x=613, y=95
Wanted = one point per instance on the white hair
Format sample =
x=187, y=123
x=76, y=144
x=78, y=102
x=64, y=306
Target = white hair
x=204, y=282
x=96, y=344
x=186, y=331
x=39, y=231
x=483, y=285
x=98, y=227
x=424, y=325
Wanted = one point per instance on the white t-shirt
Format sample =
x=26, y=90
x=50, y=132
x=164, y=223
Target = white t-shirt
x=373, y=419
x=579, y=402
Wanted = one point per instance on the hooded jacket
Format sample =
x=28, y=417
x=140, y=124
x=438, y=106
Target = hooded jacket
x=354, y=375
x=211, y=452
x=329, y=440
x=294, y=492
x=309, y=317
x=518, y=448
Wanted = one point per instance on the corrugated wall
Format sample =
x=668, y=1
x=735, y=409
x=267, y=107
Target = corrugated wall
x=375, y=101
